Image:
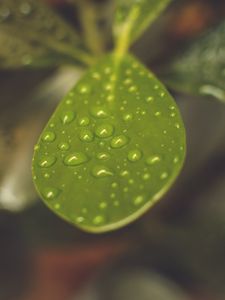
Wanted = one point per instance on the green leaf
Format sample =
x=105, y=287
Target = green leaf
x=112, y=148
x=31, y=34
x=200, y=70
x=132, y=17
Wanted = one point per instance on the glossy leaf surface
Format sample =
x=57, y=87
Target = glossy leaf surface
x=31, y=34
x=201, y=69
x=132, y=17
x=112, y=148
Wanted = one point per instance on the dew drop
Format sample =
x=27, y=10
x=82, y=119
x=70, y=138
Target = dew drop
x=134, y=155
x=128, y=117
x=75, y=159
x=119, y=141
x=86, y=135
x=80, y=219
x=83, y=121
x=98, y=220
x=138, y=200
x=164, y=175
x=146, y=176
x=132, y=89
x=158, y=113
x=64, y=146
x=103, y=156
x=99, y=112
x=84, y=89
x=149, y=99
x=48, y=136
x=67, y=117
x=50, y=193
x=153, y=160
x=47, y=161
x=104, y=131
x=124, y=173
x=101, y=171
x=103, y=205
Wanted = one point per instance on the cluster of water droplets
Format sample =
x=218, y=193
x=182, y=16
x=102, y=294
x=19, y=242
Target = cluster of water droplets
x=97, y=126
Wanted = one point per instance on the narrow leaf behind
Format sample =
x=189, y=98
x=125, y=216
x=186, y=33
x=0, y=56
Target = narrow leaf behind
x=112, y=148
x=31, y=34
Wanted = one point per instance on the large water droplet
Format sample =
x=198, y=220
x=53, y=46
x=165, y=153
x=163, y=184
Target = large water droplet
x=86, y=135
x=47, y=161
x=51, y=193
x=104, y=130
x=67, y=117
x=48, y=136
x=101, y=171
x=75, y=159
x=134, y=155
x=119, y=141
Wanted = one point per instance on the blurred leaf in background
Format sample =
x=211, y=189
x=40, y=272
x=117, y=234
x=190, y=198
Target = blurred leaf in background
x=200, y=70
x=34, y=35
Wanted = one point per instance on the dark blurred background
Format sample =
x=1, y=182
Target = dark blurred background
x=177, y=250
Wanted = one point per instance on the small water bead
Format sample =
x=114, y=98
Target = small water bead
x=83, y=121
x=156, y=87
x=138, y=200
x=177, y=125
x=98, y=220
x=84, y=89
x=48, y=136
x=119, y=141
x=114, y=185
x=86, y=135
x=124, y=173
x=96, y=76
x=80, y=219
x=158, y=113
x=108, y=87
x=153, y=160
x=75, y=159
x=128, y=117
x=149, y=99
x=51, y=193
x=107, y=71
x=57, y=206
x=176, y=160
x=64, y=146
x=146, y=176
x=47, y=161
x=164, y=175
x=113, y=196
x=162, y=94
x=131, y=181
x=103, y=205
x=36, y=147
x=134, y=155
x=101, y=171
x=116, y=203
x=128, y=81
x=103, y=156
x=99, y=112
x=132, y=89
x=110, y=98
x=172, y=114
x=67, y=117
x=104, y=130
x=46, y=175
